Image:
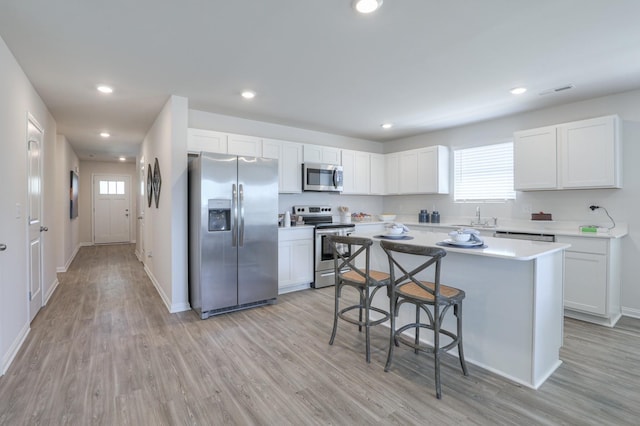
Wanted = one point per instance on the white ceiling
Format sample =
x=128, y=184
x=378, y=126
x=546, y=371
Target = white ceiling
x=421, y=64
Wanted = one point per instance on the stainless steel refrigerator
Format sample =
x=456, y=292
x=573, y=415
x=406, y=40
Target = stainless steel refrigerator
x=233, y=232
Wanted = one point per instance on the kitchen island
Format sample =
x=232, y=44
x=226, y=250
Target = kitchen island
x=513, y=310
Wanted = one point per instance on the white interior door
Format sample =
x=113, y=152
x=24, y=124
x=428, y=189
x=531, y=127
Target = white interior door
x=111, y=209
x=36, y=228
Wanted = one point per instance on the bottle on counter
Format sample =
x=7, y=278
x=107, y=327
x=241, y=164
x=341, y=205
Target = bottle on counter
x=423, y=217
x=435, y=217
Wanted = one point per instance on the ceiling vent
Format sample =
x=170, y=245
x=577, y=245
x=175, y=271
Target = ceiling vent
x=557, y=89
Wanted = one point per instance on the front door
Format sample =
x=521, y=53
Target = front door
x=111, y=209
x=34, y=187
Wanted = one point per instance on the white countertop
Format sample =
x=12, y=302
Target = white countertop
x=504, y=248
x=530, y=226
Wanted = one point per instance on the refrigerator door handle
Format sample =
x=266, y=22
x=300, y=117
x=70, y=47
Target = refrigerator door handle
x=234, y=216
x=241, y=205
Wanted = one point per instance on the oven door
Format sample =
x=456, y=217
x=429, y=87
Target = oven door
x=325, y=274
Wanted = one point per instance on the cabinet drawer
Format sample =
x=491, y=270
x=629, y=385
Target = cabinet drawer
x=292, y=234
x=585, y=244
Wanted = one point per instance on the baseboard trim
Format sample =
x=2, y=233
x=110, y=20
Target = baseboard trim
x=631, y=312
x=172, y=308
x=65, y=268
x=14, y=348
x=52, y=289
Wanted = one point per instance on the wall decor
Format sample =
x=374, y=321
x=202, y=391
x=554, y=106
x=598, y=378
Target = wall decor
x=157, y=182
x=149, y=185
x=73, y=195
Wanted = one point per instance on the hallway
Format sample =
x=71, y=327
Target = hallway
x=105, y=351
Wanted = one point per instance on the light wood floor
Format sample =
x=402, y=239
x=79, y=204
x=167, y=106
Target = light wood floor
x=105, y=351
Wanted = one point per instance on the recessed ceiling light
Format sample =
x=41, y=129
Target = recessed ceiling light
x=104, y=89
x=366, y=6
x=518, y=90
x=123, y=158
x=386, y=125
x=104, y=135
x=248, y=94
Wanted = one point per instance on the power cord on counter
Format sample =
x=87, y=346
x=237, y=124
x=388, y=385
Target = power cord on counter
x=593, y=207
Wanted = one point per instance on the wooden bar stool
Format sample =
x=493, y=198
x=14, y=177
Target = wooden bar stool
x=406, y=288
x=348, y=253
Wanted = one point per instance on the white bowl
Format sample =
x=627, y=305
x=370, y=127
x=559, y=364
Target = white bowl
x=460, y=237
x=387, y=217
x=394, y=230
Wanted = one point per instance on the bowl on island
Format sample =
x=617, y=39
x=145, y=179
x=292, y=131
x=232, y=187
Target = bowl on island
x=387, y=217
x=459, y=237
x=395, y=230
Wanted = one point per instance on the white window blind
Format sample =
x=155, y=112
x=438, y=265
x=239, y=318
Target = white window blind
x=484, y=173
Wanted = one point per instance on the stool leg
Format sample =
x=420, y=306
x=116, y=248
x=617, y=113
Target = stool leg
x=360, y=309
x=392, y=329
x=436, y=349
x=417, y=341
x=457, y=310
x=366, y=323
x=335, y=315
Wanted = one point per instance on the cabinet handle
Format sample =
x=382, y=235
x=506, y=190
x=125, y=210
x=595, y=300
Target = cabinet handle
x=43, y=229
x=3, y=247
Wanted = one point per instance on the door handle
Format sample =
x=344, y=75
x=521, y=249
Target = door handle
x=3, y=247
x=335, y=175
x=241, y=215
x=43, y=229
x=234, y=216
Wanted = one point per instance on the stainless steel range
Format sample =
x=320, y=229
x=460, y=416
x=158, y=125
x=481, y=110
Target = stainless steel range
x=322, y=218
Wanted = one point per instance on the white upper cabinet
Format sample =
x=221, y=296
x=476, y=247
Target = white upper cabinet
x=321, y=154
x=420, y=171
x=289, y=155
x=244, y=145
x=377, y=174
x=535, y=161
x=433, y=170
x=356, y=172
x=392, y=173
x=590, y=152
x=223, y=143
x=206, y=140
x=581, y=154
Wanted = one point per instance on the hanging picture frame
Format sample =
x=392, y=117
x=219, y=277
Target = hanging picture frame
x=157, y=182
x=149, y=185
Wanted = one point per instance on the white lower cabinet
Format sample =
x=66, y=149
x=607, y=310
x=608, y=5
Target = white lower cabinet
x=295, y=259
x=592, y=279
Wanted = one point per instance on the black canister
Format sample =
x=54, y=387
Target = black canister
x=435, y=217
x=423, y=217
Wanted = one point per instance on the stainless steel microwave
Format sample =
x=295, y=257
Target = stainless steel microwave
x=321, y=177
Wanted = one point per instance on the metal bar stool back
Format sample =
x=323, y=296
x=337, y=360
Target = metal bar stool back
x=352, y=269
x=406, y=287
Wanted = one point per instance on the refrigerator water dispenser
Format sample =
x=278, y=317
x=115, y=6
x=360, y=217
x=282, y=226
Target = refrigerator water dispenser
x=219, y=215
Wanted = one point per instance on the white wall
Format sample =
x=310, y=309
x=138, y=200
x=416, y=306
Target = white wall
x=165, y=234
x=69, y=234
x=572, y=205
x=19, y=98
x=85, y=194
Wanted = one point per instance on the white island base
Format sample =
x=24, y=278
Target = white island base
x=513, y=311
